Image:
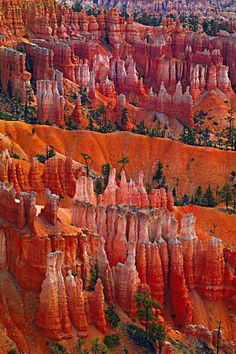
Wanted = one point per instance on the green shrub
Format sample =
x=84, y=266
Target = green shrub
x=56, y=348
x=112, y=316
x=137, y=335
x=94, y=277
x=12, y=351
x=15, y=156
x=41, y=158
x=112, y=341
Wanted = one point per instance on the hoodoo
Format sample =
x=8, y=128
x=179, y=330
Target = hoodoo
x=117, y=176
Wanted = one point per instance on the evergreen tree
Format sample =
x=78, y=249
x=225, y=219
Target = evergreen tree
x=86, y=158
x=145, y=307
x=159, y=176
x=198, y=196
x=123, y=161
x=106, y=168
x=208, y=199
x=98, y=186
x=77, y=7
x=206, y=137
x=124, y=117
x=97, y=347
x=155, y=333
x=175, y=196
x=231, y=131
x=227, y=194
x=185, y=199
x=188, y=136
x=112, y=316
x=140, y=129
x=9, y=89
x=234, y=198
x=94, y=277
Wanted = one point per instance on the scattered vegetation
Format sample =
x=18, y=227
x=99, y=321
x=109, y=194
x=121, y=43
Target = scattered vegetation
x=153, y=333
x=112, y=316
x=96, y=347
x=94, y=277
x=50, y=152
x=112, y=341
x=201, y=135
x=159, y=176
x=56, y=348
x=86, y=158
x=123, y=162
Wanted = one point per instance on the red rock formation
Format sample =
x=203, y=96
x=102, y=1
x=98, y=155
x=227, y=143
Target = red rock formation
x=70, y=181
x=14, y=78
x=126, y=284
x=212, y=280
x=76, y=306
x=189, y=242
x=22, y=178
x=154, y=273
x=41, y=60
x=29, y=200
x=50, y=103
x=12, y=209
x=119, y=241
x=3, y=251
x=51, y=207
x=35, y=178
x=96, y=305
x=141, y=263
x=64, y=60
x=53, y=317
x=77, y=112
x=179, y=292
x=13, y=177
x=51, y=176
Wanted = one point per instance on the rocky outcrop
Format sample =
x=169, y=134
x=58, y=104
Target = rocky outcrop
x=76, y=303
x=179, y=291
x=14, y=79
x=53, y=316
x=212, y=280
x=50, y=209
x=50, y=103
x=126, y=284
x=96, y=306
x=35, y=177
x=40, y=61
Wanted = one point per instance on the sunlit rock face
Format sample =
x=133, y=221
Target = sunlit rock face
x=167, y=69
x=132, y=238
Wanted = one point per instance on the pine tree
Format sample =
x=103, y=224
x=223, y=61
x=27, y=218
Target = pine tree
x=227, y=194
x=185, y=199
x=106, y=168
x=9, y=89
x=208, y=199
x=98, y=186
x=86, y=158
x=198, y=196
x=188, y=136
x=123, y=161
x=159, y=176
x=145, y=307
x=124, y=117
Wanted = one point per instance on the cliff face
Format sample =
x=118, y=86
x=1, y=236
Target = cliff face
x=170, y=72
x=60, y=268
x=143, y=152
x=134, y=248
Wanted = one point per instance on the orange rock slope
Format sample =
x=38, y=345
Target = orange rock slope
x=192, y=166
x=52, y=253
